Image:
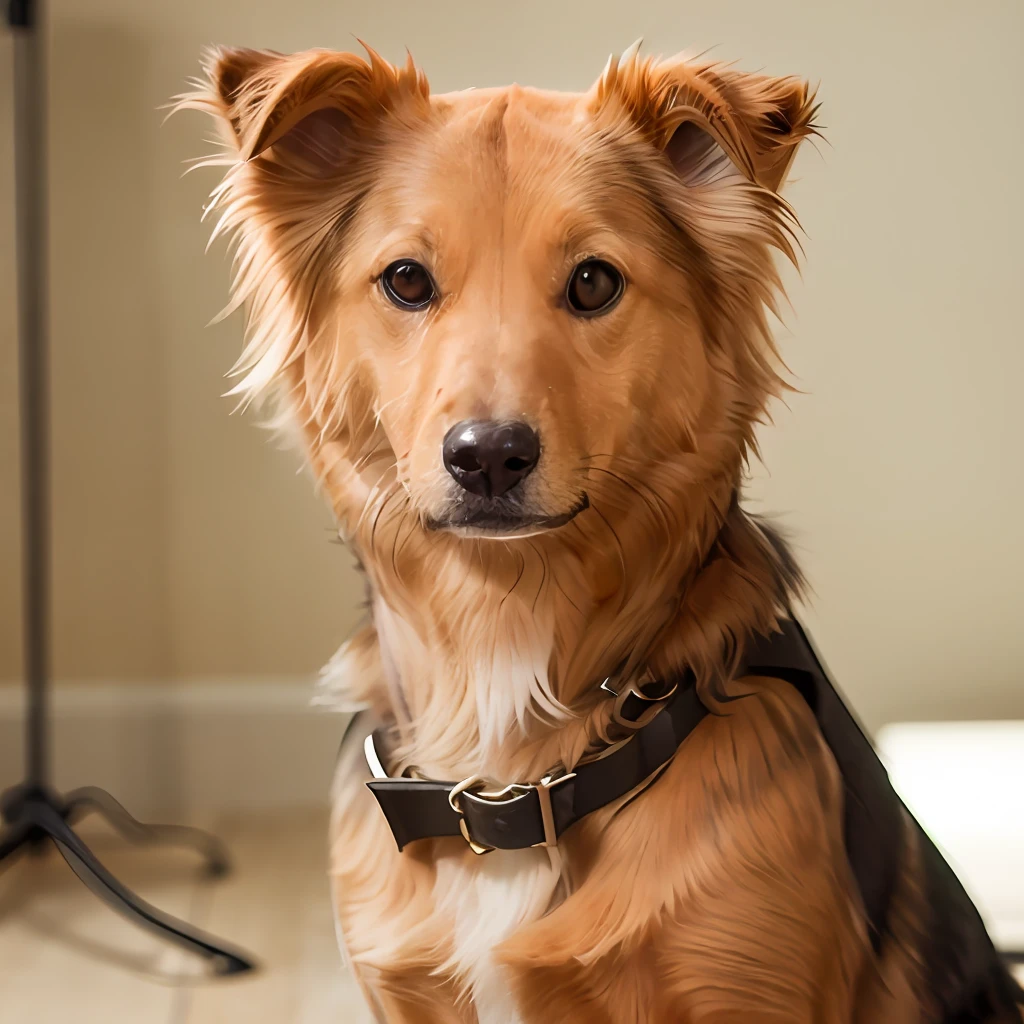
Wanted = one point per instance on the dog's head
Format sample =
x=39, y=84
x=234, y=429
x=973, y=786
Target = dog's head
x=504, y=306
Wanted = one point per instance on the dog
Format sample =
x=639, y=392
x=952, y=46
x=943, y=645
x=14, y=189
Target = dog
x=524, y=339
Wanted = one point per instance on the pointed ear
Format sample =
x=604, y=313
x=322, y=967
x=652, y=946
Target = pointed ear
x=775, y=115
x=711, y=120
x=307, y=108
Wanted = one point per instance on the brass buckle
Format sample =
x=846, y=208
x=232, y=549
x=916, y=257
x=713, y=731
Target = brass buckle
x=655, y=704
x=453, y=799
x=510, y=792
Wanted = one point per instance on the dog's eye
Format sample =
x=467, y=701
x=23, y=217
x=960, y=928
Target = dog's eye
x=408, y=284
x=594, y=287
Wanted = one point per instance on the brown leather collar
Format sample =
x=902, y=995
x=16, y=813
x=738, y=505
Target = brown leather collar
x=526, y=814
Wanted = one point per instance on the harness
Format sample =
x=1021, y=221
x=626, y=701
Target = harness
x=965, y=978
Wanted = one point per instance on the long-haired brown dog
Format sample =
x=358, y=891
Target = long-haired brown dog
x=525, y=338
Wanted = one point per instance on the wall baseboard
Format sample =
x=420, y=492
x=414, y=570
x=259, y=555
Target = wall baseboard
x=193, y=747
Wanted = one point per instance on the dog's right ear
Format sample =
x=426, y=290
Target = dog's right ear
x=293, y=123
x=308, y=110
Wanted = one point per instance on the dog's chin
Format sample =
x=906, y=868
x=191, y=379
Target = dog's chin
x=492, y=519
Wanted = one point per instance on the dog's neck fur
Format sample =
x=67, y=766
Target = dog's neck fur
x=498, y=675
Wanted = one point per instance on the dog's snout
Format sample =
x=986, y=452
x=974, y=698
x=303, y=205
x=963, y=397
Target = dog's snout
x=489, y=457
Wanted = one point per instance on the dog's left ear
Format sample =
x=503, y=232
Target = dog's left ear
x=773, y=115
x=702, y=115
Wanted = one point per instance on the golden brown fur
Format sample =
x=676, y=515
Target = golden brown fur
x=723, y=894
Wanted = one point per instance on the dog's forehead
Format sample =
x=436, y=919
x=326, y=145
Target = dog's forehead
x=499, y=153
x=512, y=123
x=496, y=168
x=523, y=103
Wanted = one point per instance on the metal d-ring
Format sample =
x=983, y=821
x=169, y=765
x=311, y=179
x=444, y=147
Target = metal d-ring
x=652, y=704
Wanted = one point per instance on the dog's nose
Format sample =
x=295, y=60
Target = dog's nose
x=489, y=457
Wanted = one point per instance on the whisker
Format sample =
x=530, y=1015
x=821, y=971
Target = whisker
x=391, y=492
x=615, y=537
x=636, y=482
x=633, y=484
x=368, y=456
x=562, y=591
x=522, y=570
x=543, y=573
x=394, y=551
x=662, y=513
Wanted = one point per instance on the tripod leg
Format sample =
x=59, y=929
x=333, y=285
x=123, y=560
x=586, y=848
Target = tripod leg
x=12, y=839
x=84, y=863
x=81, y=802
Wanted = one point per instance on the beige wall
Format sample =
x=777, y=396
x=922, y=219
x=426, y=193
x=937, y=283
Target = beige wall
x=187, y=546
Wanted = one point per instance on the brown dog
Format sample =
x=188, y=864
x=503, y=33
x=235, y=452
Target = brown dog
x=524, y=337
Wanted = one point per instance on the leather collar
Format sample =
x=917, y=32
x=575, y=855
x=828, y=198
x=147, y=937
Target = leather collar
x=538, y=813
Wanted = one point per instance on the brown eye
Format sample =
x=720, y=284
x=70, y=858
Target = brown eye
x=593, y=288
x=408, y=284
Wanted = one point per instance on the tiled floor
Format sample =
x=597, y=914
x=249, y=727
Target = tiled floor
x=65, y=957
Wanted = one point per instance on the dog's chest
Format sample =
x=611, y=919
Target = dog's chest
x=465, y=701
x=470, y=904
x=488, y=899
x=452, y=918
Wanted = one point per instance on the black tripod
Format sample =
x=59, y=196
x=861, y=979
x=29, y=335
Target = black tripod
x=33, y=811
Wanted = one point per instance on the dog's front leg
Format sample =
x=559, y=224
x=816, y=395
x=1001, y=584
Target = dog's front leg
x=391, y=934
x=720, y=895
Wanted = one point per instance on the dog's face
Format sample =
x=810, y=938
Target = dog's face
x=520, y=303
x=492, y=286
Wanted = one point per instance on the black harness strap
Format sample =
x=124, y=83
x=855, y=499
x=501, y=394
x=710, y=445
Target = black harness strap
x=873, y=815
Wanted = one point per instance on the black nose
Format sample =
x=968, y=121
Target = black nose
x=489, y=457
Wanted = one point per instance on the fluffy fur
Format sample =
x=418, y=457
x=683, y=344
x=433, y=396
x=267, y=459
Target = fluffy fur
x=723, y=893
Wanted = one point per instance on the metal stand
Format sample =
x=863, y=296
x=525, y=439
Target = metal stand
x=33, y=812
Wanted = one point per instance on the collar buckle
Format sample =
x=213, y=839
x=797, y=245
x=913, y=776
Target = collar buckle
x=456, y=805
x=512, y=792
